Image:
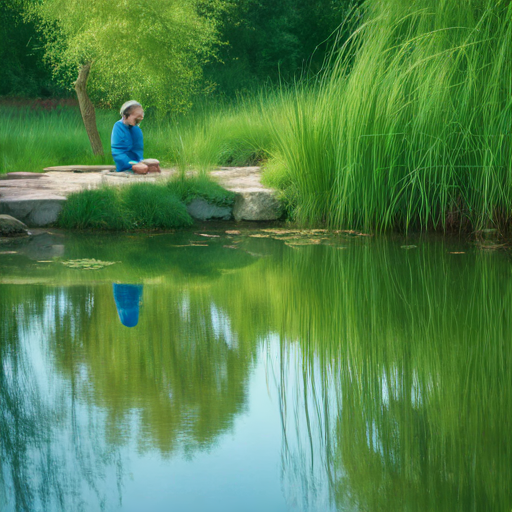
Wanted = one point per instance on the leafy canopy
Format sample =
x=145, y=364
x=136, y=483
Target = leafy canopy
x=151, y=50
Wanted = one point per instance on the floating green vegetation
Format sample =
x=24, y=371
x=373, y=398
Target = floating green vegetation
x=88, y=264
x=302, y=237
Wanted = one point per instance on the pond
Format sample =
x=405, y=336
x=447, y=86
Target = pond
x=254, y=370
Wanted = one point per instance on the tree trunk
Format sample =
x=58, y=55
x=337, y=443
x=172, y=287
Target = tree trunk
x=87, y=109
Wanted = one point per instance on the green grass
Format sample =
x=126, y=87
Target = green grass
x=211, y=135
x=31, y=140
x=190, y=188
x=140, y=205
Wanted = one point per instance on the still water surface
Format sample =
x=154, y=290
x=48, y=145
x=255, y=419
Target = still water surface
x=255, y=373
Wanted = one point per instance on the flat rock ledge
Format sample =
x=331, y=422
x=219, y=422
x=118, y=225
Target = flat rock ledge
x=38, y=202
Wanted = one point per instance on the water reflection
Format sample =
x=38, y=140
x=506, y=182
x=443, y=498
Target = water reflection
x=52, y=449
x=128, y=299
x=388, y=369
x=404, y=362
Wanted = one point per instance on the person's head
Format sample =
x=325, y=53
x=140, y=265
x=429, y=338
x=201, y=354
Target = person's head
x=132, y=112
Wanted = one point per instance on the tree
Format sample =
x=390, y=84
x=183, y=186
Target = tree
x=151, y=50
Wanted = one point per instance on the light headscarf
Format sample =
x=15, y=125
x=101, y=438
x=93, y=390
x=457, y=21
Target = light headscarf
x=128, y=107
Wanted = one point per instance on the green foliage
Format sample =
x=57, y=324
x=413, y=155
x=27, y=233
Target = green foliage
x=140, y=205
x=152, y=50
x=162, y=48
x=23, y=72
x=268, y=40
x=412, y=128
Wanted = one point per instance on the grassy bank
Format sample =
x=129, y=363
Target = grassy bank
x=140, y=205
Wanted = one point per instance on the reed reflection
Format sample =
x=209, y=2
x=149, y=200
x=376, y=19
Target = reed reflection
x=405, y=393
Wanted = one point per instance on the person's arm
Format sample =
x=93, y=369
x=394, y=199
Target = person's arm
x=138, y=142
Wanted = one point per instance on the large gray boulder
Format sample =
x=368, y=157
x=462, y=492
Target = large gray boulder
x=202, y=210
x=257, y=205
x=9, y=226
x=32, y=209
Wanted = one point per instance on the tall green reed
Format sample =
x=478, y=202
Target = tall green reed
x=412, y=126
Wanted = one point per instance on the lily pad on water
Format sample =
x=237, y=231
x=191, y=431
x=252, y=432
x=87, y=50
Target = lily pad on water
x=349, y=233
x=299, y=242
x=87, y=264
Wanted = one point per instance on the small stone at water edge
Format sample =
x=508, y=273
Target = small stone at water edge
x=9, y=226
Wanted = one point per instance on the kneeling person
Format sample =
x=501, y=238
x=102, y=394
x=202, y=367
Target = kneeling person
x=127, y=142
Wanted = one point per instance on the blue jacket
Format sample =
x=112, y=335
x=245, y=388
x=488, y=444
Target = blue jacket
x=127, y=145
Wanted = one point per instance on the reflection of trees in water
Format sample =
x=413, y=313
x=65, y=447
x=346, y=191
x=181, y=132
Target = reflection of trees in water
x=183, y=372
x=182, y=369
x=43, y=465
x=394, y=396
x=404, y=361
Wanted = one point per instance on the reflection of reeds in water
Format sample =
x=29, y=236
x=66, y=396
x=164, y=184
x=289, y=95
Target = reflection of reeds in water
x=405, y=357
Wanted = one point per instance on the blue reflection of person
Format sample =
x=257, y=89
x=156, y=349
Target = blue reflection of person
x=128, y=298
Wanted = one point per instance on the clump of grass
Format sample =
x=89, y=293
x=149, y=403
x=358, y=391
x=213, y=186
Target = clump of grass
x=223, y=135
x=95, y=209
x=140, y=205
x=154, y=206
